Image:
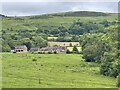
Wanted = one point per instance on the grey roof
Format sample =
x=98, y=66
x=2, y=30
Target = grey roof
x=35, y=49
x=60, y=48
x=20, y=46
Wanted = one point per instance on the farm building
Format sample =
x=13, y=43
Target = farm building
x=57, y=49
x=63, y=43
x=21, y=48
x=34, y=49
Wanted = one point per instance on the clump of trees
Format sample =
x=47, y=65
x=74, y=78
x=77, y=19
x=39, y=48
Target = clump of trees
x=9, y=41
x=103, y=49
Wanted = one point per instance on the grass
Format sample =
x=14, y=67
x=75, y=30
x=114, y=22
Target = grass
x=52, y=71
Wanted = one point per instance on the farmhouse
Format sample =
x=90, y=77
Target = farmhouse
x=63, y=43
x=21, y=48
x=57, y=49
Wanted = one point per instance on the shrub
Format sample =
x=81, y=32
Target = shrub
x=109, y=65
x=14, y=52
x=55, y=52
x=68, y=51
x=118, y=80
x=34, y=59
x=75, y=50
x=39, y=52
x=49, y=52
x=70, y=44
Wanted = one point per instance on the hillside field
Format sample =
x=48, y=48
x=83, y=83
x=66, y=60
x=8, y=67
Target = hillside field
x=35, y=22
x=28, y=70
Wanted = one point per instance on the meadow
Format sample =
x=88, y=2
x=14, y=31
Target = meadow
x=28, y=70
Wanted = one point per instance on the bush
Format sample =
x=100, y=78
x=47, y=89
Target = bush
x=49, y=52
x=34, y=59
x=118, y=80
x=14, y=52
x=68, y=51
x=75, y=50
x=39, y=52
x=109, y=65
x=55, y=52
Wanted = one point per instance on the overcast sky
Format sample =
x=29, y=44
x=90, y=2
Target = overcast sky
x=36, y=8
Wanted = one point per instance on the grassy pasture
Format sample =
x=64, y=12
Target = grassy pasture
x=52, y=71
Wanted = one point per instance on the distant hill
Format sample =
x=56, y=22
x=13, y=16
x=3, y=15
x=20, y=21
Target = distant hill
x=74, y=14
x=2, y=15
x=54, y=20
x=81, y=14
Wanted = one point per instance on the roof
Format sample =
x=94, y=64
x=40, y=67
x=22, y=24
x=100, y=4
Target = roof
x=34, y=49
x=20, y=46
x=60, y=48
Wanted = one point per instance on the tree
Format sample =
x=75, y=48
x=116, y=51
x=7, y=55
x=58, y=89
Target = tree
x=118, y=80
x=105, y=23
x=75, y=38
x=68, y=51
x=70, y=44
x=27, y=42
x=75, y=50
x=110, y=60
x=5, y=47
x=40, y=42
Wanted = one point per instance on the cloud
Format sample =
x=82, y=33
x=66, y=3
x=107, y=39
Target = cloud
x=59, y=0
x=36, y=8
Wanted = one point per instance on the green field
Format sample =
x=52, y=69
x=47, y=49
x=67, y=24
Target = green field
x=52, y=71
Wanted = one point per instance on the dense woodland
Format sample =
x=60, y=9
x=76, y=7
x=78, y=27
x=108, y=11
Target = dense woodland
x=98, y=38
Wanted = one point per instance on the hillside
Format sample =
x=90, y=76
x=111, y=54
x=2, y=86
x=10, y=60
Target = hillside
x=29, y=29
x=54, y=20
x=81, y=14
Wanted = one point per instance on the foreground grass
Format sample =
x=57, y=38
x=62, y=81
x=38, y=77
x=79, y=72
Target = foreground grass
x=52, y=71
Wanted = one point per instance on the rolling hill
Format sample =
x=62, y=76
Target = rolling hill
x=54, y=20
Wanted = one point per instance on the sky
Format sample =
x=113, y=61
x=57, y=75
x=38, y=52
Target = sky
x=36, y=8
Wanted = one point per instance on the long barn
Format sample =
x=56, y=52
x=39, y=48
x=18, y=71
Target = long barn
x=63, y=43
